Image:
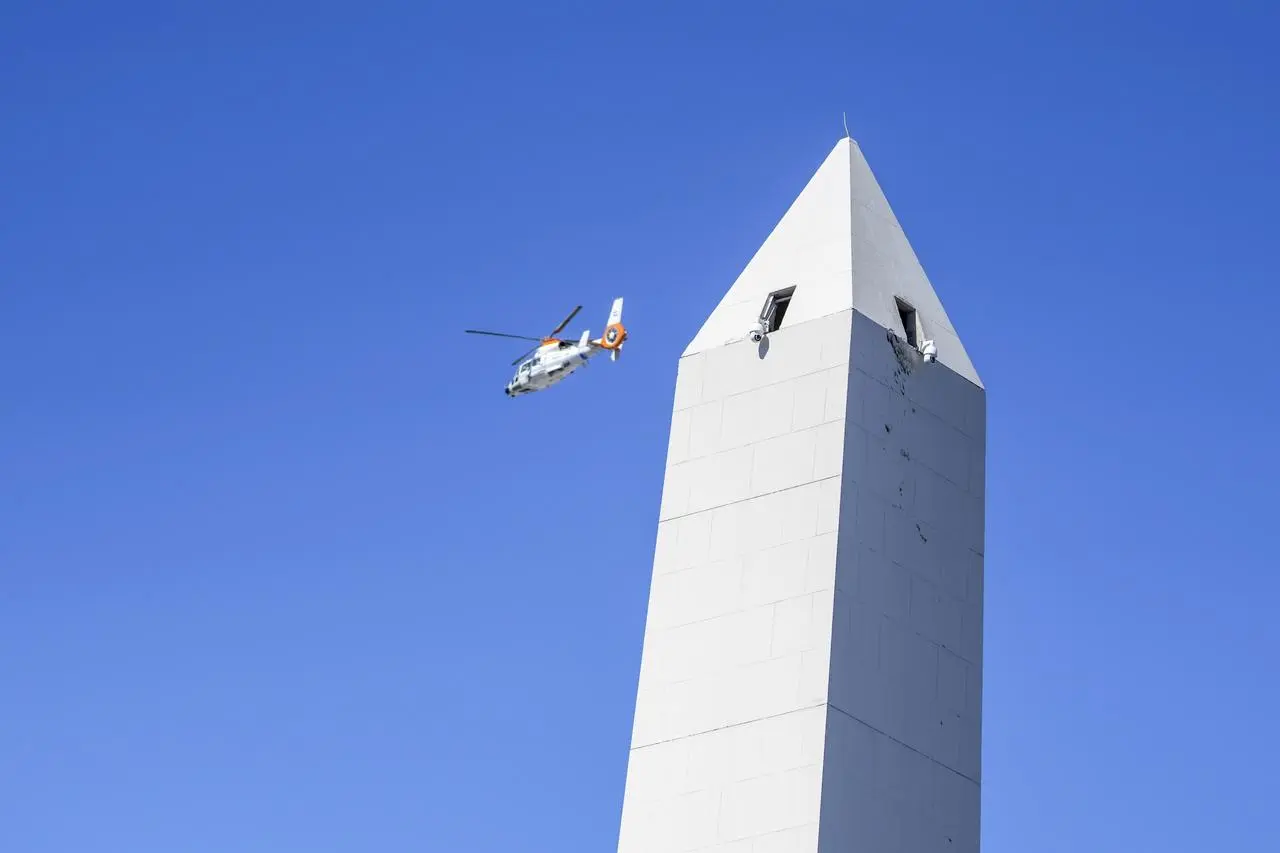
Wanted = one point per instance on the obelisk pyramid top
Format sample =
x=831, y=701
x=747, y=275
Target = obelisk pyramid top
x=841, y=247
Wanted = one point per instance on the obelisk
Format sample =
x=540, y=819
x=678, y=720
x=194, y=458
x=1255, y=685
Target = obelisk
x=811, y=675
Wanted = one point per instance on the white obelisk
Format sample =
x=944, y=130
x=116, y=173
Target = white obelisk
x=811, y=678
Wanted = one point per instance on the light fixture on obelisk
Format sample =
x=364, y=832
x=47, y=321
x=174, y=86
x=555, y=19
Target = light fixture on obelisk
x=811, y=678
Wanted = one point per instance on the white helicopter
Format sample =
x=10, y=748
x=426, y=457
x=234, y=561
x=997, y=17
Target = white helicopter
x=553, y=359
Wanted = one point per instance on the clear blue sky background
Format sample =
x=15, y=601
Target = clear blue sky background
x=282, y=569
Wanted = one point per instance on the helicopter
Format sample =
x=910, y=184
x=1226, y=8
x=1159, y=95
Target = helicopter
x=552, y=359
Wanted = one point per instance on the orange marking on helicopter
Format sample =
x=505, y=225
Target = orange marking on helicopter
x=613, y=342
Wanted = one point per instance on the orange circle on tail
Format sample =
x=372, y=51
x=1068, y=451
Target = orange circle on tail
x=614, y=335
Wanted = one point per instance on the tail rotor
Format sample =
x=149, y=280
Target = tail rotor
x=615, y=334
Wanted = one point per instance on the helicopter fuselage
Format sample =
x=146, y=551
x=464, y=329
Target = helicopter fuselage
x=549, y=365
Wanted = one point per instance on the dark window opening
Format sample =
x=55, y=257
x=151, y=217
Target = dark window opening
x=775, y=308
x=910, y=324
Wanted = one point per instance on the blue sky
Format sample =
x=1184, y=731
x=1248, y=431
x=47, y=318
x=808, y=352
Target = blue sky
x=282, y=569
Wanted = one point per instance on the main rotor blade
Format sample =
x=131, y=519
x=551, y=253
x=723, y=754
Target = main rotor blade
x=523, y=357
x=572, y=314
x=501, y=335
